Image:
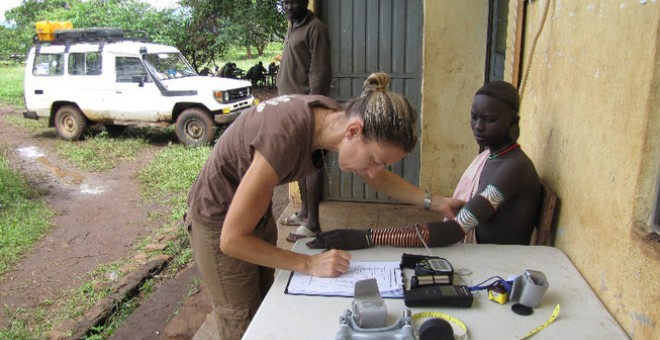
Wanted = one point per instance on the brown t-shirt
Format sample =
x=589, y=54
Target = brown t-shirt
x=281, y=129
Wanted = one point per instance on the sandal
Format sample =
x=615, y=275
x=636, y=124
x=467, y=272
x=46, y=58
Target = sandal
x=292, y=220
x=301, y=232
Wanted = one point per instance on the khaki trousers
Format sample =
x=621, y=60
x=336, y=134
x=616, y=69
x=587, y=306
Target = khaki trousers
x=236, y=287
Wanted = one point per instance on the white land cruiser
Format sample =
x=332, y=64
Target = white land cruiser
x=87, y=76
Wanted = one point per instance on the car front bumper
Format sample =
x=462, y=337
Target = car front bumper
x=226, y=118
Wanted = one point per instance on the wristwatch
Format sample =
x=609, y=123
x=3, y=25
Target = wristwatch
x=427, y=200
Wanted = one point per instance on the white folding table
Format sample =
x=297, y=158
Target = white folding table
x=582, y=315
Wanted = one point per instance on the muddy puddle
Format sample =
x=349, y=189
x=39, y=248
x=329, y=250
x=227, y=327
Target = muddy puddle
x=37, y=156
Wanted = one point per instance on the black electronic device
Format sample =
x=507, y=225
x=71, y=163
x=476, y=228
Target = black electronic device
x=438, y=266
x=439, y=296
x=432, y=271
x=410, y=260
x=426, y=280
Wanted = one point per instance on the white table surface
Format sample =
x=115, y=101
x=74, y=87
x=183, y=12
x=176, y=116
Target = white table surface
x=582, y=315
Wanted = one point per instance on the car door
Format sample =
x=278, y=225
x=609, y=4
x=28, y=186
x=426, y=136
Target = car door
x=135, y=96
x=43, y=81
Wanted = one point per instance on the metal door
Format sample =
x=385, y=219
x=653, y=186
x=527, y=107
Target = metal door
x=368, y=36
x=498, y=13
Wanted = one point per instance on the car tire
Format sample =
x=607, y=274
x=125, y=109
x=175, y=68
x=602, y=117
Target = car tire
x=70, y=122
x=194, y=127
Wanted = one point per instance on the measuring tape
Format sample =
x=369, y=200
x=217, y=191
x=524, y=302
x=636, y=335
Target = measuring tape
x=544, y=325
x=459, y=323
x=422, y=315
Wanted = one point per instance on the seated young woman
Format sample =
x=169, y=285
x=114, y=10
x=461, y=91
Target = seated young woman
x=501, y=188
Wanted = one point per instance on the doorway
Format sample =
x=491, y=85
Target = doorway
x=367, y=36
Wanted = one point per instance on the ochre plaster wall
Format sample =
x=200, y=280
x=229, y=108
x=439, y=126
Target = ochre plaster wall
x=454, y=52
x=590, y=122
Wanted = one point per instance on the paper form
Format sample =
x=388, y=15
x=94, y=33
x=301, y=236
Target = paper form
x=387, y=275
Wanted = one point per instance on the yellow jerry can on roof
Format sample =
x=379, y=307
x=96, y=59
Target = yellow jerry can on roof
x=46, y=29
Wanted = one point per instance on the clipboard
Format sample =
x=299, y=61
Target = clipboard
x=387, y=274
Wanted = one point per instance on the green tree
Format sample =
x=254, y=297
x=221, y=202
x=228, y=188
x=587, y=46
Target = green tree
x=255, y=23
x=202, y=29
x=246, y=23
x=31, y=11
x=163, y=26
x=16, y=39
x=272, y=23
x=14, y=43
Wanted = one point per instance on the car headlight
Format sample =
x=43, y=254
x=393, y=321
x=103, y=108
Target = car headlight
x=219, y=96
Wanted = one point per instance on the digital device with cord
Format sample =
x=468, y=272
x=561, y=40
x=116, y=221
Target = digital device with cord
x=432, y=271
x=428, y=270
x=439, y=296
x=428, y=280
x=434, y=266
x=432, y=284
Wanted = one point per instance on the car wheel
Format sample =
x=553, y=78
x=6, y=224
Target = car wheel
x=115, y=130
x=70, y=123
x=194, y=127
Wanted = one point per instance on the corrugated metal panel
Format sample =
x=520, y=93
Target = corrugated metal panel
x=369, y=36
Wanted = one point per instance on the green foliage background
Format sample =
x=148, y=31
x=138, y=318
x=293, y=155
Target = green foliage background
x=24, y=217
x=11, y=85
x=204, y=30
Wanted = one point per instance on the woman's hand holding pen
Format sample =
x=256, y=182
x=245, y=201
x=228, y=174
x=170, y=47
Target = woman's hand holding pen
x=329, y=263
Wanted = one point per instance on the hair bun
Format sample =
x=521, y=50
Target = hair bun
x=377, y=82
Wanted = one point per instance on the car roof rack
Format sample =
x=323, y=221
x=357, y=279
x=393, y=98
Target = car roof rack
x=100, y=35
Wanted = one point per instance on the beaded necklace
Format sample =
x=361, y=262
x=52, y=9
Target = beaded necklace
x=500, y=153
x=323, y=152
x=325, y=166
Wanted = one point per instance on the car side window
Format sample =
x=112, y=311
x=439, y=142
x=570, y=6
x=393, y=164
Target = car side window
x=130, y=70
x=48, y=65
x=85, y=63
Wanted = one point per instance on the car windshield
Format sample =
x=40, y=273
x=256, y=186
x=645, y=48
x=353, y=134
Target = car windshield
x=169, y=65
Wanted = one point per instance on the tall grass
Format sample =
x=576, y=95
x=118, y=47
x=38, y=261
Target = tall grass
x=34, y=126
x=11, y=85
x=167, y=179
x=100, y=152
x=170, y=175
x=24, y=217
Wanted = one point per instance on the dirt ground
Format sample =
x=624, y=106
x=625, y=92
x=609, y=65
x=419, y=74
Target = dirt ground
x=100, y=217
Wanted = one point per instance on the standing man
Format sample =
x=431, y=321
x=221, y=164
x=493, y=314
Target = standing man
x=305, y=69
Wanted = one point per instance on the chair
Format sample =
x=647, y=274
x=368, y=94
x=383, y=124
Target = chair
x=543, y=229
